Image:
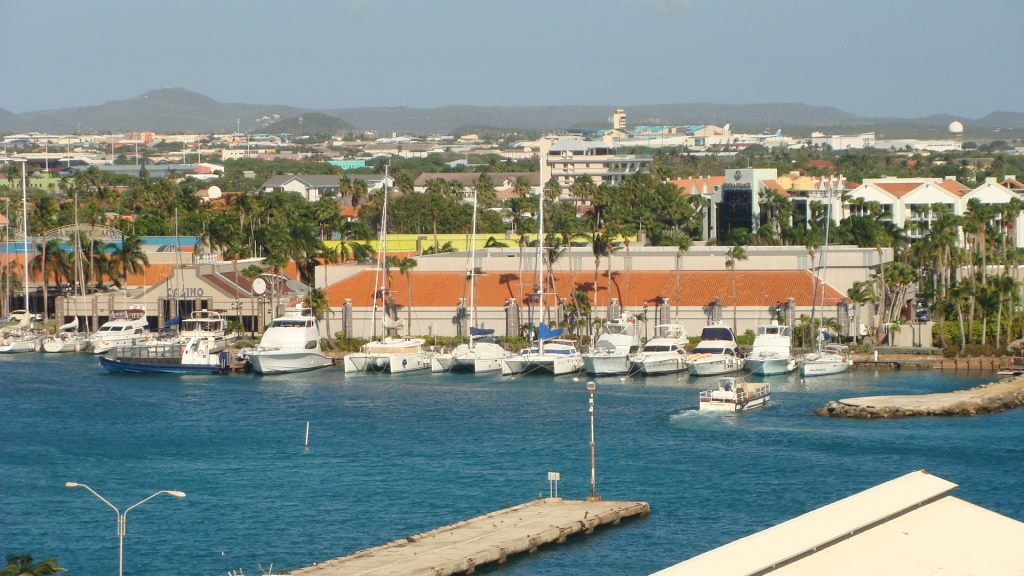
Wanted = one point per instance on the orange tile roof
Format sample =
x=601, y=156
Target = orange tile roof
x=686, y=185
x=899, y=189
x=697, y=288
x=954, y=187
x=774, y=185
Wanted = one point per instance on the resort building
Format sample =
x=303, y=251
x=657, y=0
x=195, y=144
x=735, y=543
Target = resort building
x=313, y=186
x=910, y=526
x=566, y=159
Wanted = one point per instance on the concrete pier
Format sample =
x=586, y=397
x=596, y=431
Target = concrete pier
x=985, y=399
x=459, y=548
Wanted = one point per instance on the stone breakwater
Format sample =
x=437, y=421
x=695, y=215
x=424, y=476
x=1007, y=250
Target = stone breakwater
x=985, y=399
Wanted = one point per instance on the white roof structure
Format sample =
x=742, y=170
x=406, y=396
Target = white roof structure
x=909, y=526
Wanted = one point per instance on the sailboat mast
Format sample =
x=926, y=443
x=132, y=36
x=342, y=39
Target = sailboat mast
x=24, y=226
x=540, y=264
x=472, y=274
x=824, y=253
x=382, y=254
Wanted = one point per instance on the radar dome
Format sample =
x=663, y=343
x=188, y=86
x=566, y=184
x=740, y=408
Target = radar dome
x=214, y=192
x=955, y=127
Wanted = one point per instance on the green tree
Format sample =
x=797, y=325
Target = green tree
x=24, y=565
x=734, y=255
x=44, y=209
x=129, y=257
x=250, y=273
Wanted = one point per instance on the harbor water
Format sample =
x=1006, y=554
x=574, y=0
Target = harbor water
x=392, y=456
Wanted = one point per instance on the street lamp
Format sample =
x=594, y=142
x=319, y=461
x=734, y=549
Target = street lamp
x=122, y=516
x=592, y=387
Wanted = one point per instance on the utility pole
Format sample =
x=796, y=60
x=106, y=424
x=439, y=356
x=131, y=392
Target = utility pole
x=592, y=387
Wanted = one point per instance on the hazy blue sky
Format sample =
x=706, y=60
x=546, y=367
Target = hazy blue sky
x=870, y=57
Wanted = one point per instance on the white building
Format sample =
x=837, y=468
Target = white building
x=313, y=186
x=844, y=141
x=566, y=159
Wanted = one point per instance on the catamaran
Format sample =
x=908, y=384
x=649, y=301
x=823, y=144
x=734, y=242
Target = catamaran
x=482, y=353
x=392, y=353
x=733, y=395
x=665, y=353
x=771, y=353
x=832, y=358
x=717, y=353
x=613, y=352
x=548, y=354
x=290, y=344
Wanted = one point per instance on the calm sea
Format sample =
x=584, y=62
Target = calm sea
x=392, y=456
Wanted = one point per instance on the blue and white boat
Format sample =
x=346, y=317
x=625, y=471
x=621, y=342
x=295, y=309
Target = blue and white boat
x=196, y=355
x=547, y=356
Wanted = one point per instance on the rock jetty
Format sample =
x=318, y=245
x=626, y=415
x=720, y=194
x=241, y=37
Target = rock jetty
x=985, y=399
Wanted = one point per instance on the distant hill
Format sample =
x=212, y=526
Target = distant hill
x=309, y=123
x=177, y=109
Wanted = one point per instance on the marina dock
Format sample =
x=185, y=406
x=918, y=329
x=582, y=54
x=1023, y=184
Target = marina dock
x=459, y=548
x=985, y=399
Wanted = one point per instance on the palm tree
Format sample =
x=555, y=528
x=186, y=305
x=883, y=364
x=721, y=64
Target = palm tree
x=601, y=246
x=405, y=266
x=735, y=254
x=22, y=565
x=130, y=258
x=251, y=273
x=43, y=211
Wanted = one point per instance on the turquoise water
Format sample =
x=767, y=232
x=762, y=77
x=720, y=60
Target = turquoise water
x=392, y=456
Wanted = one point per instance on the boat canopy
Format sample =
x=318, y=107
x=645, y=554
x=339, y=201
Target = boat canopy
x=173, y=321
x=716, y=333
x=546, y=333
x=474, y=331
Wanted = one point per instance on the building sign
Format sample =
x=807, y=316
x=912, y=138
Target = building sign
x=184, y=292
x=96, y=233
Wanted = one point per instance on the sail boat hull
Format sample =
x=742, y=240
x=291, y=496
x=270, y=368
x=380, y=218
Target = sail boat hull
x=389, y=363
x=55, y=344
x=15, y=346
x=556, y=364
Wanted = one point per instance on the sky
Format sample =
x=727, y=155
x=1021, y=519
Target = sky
x=902, y=58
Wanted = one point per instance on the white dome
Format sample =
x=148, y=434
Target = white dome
x=214, y=192
x=955, y=127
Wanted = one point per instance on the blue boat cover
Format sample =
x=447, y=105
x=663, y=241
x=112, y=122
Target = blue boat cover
x=474, y=331
x=173, y=321
x=546, y=333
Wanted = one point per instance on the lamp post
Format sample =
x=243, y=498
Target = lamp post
x=592, y=387
x=122, y=516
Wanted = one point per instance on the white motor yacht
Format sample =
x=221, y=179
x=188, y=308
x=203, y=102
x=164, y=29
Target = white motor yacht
x=481, y=354
x=546, y=356
x=209, y=324
x=772, y=353
x=665, y=353
x=829, y=359
x=717, y=353
x=290, y=344
x=20, y=337
x=612, y=353
x=125, y=328
x=67, y=339
x=733, y=395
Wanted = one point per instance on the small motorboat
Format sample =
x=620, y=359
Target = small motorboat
x=733, y=395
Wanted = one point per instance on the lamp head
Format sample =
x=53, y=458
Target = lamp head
x=71, y=484
x=176, y=493
x=591, y=386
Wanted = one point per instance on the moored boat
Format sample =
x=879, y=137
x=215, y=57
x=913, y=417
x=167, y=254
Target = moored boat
x=194, y=355
x=830, y=359
x=665, y=353
x=481, y=354
x=734, y=395
x=125, y=328
x=717, y=353
x=290, y=344
x=612, y=353
x=547, y=356
x=771, y=353
x=67, y=339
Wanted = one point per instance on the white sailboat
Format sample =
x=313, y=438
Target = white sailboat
x=832, y=358
x=665, y=353
x=391, y=353
x=547, y=355
x=717, y=353
x=613, y=352
x=21, y=337
x=67, y=339
x=290, y=344
x=772, y=353
x=482, y=353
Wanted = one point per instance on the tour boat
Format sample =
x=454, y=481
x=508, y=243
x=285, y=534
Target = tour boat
x=733, y=395
x=665, y=353
x=195, y=355
x=771, y=353
x=125, y=328
x=613, y=351
x=830, y=359
x=290, y=344
x=67, y=339
x=546, y=356
x=717, y=353
x=482, y=353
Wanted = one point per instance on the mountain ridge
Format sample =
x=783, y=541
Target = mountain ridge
x=178, y=109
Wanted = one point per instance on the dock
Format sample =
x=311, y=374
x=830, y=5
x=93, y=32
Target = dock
x=986, y=399
x=459, y=548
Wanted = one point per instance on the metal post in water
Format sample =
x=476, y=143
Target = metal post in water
x=307, y=435
x=592, y=387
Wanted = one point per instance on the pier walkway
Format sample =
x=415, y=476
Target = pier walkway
x=985, y=399
x=461, y=547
